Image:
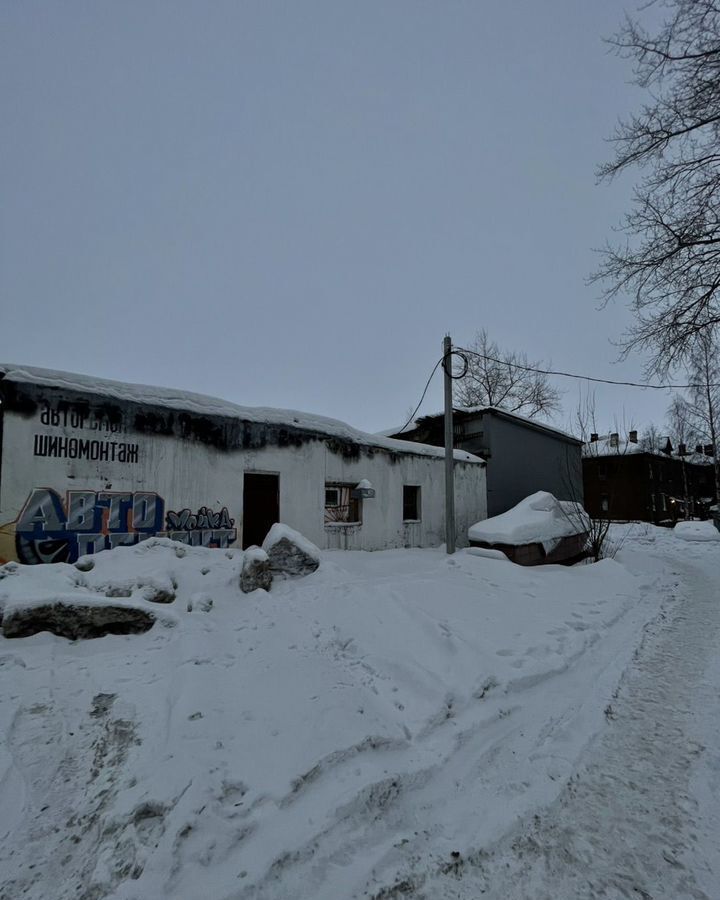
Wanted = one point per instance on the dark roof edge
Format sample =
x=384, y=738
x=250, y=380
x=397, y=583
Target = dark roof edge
x=510, y=417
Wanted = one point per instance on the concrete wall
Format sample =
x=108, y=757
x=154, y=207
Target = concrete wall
x=79, y=475
x=523, y=460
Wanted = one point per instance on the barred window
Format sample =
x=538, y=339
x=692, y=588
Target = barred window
x=340, y=506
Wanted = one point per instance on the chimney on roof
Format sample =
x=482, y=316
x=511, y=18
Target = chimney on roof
x=614, y=439
x=632, y=437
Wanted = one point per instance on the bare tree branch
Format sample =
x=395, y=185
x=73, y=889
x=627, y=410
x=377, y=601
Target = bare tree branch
x=492, y=379
x=669, y=265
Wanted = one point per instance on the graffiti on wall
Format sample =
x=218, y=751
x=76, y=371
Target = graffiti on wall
x=52, y=529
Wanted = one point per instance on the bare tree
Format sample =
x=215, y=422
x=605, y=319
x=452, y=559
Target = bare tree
x=670, y=262
x=502, y=378
x=651, y=440
x=679, y=424
x=700, y=410
x=584, y=424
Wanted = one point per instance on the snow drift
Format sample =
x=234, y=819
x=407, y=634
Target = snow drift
x=307, y=742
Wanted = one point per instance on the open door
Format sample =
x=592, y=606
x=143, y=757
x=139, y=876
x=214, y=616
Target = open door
x=261, y=507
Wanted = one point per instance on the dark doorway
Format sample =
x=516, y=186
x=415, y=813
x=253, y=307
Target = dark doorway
x=261, y=507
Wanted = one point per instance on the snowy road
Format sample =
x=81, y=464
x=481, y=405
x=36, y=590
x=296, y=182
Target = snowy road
x=640, y=817
x=398, y=726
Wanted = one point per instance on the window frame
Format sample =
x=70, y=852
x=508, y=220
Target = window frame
x=353, y=504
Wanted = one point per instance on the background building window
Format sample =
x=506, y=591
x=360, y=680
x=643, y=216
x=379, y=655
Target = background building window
x=411, y=503
x=340, y=506
x=604, y=502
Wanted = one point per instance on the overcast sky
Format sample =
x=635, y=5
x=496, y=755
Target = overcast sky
x=290, y=203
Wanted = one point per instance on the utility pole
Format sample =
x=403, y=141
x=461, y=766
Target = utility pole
x=449, y=457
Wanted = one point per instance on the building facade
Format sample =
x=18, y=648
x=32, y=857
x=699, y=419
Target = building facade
x=87, y=465
x=629, y=484
x=522, y=456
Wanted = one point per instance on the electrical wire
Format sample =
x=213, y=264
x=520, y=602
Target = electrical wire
x=427, y=385
x=463, y=353
x=656, y=387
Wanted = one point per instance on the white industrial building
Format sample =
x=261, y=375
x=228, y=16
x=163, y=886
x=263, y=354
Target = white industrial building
x=88, y=464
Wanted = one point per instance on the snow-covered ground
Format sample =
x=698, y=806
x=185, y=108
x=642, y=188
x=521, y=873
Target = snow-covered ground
x=397, y=724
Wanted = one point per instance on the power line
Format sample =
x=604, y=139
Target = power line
x=514, y=365
x=427, y=385
x=461, y=351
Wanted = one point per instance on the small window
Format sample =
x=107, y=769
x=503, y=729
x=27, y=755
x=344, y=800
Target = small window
x=602, y=472
x=411, y=503
x=341, y=508
x=604, y=502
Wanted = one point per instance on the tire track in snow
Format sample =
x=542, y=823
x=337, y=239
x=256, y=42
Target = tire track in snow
x=624, y=824
x=450, y=770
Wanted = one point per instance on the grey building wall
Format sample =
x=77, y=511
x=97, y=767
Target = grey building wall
x=522, y=460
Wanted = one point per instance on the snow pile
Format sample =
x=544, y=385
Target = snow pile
x=280, y=532
x=73, y=602
x=255, y=573
x=538, y=519
x=310, y=742
x=696, y=531
x=289, y=553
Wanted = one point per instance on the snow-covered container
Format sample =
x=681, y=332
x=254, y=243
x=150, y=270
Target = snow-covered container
x=88, y=464
x=540, y=529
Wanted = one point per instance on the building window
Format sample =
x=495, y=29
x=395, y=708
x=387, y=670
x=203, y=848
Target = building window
x=604, y=502
x=602, y=472
x=663, y=502
x=340, y=506
x=411, y=503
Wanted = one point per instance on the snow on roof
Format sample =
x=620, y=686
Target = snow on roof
x=604, y=448
x=200, y=404
x=479, y=410
x=539, y=518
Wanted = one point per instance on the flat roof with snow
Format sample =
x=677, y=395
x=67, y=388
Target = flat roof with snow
x=202, y=405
